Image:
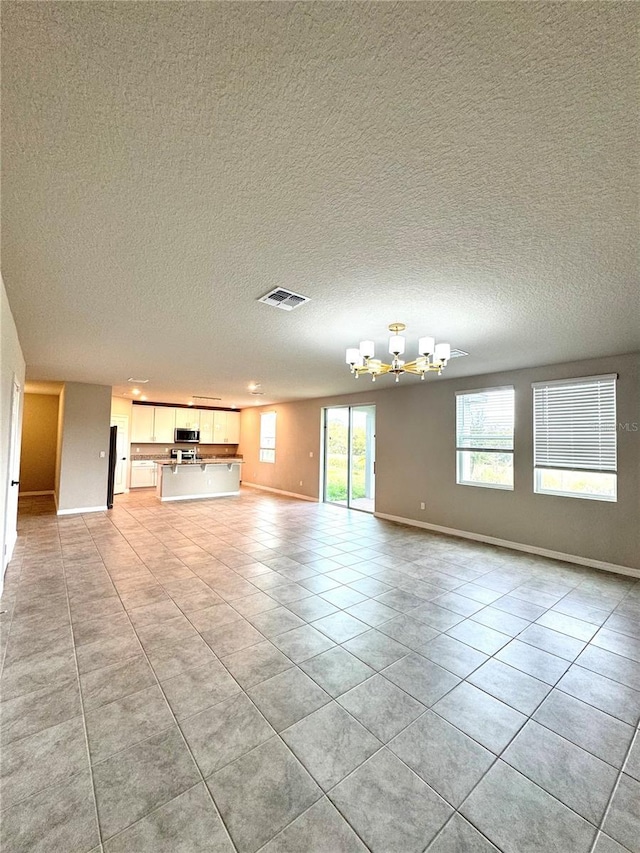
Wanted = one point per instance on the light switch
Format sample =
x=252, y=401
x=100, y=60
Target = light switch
x=102, y=454
x=311, y=454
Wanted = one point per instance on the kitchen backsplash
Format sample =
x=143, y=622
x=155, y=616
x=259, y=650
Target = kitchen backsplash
x=207, y=451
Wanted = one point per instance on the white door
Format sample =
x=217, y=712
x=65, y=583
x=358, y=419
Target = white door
x=164, y=424
x=13, y=473
x=122, y=452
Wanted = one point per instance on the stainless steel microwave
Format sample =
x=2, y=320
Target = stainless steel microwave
x=191, y=436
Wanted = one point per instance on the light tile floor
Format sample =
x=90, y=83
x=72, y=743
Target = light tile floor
x=257, y=673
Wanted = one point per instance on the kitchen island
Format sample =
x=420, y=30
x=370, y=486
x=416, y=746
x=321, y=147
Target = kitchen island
x=207, y=478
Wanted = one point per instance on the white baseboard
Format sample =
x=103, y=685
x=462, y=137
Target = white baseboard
x=34, y=494
x=199, y=497
x=516, y=546
x=281, y=492
x=81, y=509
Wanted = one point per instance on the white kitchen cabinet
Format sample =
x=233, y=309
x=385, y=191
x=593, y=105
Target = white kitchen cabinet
x=226, y=427
x=206, y=427
x=187, y=418
x=156, y=424
x=164, y=424
x=143, y=473
x=233, y=427
x=142, y=424
x=152, y=424
x=219, y=427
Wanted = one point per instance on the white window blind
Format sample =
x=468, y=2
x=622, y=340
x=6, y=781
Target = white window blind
x=484, y=419
x=575, y=424
x=484, y=438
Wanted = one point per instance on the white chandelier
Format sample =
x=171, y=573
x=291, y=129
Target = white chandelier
x=431, y=357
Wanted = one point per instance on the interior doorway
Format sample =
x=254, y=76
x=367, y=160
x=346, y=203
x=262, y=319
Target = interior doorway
x=349, y=456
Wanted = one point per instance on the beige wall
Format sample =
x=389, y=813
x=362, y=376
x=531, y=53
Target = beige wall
x=415, y=453
x=121, y=406
x=85, y=415
x=39, y=443
x=11, y=365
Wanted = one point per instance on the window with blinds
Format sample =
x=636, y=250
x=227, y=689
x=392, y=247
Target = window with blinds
x=574, y=437
x=484, y=438
x=267, y=437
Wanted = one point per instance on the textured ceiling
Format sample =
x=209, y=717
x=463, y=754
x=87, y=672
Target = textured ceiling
x=469, y=169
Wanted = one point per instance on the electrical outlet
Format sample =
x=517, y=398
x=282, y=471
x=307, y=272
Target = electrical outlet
x=102, y=454
x=422, y=505
x=300, y=482
x=311, y=454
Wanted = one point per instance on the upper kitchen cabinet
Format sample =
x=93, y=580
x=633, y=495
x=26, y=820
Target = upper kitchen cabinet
x=152, y=424
x=233, y=427
x=226, y=427
x=156, y=424
x=206, y=426
x=187, y=418
x=164, y=424
x=141, y=424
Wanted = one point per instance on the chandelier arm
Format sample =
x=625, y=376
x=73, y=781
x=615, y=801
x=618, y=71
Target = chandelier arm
x=411, y=367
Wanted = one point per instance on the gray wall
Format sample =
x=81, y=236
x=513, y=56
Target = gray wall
x=85, y=415
x=11, y=364
x=415, y=447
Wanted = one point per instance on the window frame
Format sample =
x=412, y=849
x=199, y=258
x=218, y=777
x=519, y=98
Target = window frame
x=267, y=445
x=460, y=451
x=539, y=469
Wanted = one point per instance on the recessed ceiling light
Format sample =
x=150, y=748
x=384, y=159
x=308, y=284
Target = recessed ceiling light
x=135, y=390
x=137, y=381
x=143, y=397
x=252, y=386
x=189, y=402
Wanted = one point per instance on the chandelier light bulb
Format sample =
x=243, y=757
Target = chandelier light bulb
x=396, y=344
x=353, y=355
x=426, y=345
x=442, y=352
x=367, y=349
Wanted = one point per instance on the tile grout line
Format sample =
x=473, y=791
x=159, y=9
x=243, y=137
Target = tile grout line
x=614, y=790
x=82, y=710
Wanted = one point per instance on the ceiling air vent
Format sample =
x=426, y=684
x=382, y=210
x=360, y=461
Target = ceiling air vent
x=458, y=353
x=285, y=299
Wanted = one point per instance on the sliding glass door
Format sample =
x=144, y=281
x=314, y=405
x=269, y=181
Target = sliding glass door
x=349, y=456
